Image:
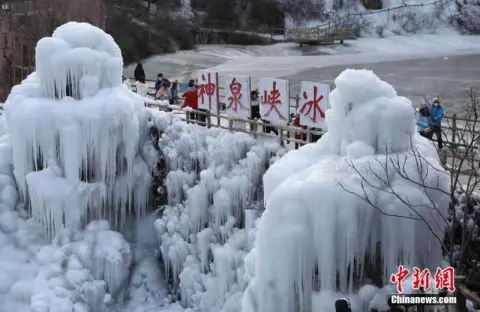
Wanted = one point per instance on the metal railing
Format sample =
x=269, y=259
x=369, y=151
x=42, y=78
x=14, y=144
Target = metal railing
x=286, y=134
x=452, y=126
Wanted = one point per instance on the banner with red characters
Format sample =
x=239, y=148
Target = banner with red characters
x=207, y=90
x=237, y=96
x=274, y=100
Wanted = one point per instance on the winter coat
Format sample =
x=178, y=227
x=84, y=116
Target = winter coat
x=190, y=98
x=436, y=114
x=139, y=72
x=422, y=123
x=159, y=82
x=163, y=94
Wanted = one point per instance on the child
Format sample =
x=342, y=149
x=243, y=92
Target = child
x=163, y=93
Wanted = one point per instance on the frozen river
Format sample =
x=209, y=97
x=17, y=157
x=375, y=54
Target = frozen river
x=446, y=78
x=417, y=66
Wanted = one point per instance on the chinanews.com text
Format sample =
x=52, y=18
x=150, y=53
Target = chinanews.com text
x=424, y=299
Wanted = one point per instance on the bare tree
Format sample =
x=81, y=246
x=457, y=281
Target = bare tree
x=460, y=165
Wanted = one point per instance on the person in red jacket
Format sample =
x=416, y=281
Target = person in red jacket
x=190, y=99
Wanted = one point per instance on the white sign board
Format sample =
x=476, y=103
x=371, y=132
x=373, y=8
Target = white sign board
x=274, y=100
x=313, y=104
x=237, y=96
x=207, y=90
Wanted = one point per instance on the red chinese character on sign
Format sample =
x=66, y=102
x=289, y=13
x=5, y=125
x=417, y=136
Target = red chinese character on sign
x=236, y=91
x=399, y=277
x=445, y=279
x=421, y=278
x=313, y=104
x=207, y=89
x=273, y=99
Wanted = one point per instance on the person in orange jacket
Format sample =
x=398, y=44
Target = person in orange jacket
x=190, y=99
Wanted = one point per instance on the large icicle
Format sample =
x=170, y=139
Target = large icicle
x=74, y=117
x=312, y=221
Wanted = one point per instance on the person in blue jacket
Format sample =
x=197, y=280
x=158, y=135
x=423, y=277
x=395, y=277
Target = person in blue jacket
x=160, y=81
x=423, y=123
x=436, y=115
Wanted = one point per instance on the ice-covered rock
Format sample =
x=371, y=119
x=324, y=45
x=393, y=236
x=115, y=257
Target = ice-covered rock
x=370, y=181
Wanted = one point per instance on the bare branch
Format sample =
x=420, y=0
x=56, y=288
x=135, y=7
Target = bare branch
x=462, y=172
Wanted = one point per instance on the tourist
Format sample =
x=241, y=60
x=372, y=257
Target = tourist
x=160, y=81
x=255, y=105
x=316, y=137
x=190, y=99
x=174, y=92
x=164, y=93
x=423, y=123
x=436, y=116
x=343, y=305
x=139, y=73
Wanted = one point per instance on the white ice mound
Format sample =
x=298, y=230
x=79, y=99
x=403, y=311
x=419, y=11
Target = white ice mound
x=334, y=205
x=76, y=130
x=81, y=55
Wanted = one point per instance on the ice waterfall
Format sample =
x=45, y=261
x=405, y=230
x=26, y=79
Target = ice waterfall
x=317, y=223
x=77, y=132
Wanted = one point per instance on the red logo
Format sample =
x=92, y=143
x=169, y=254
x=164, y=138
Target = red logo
x=444, y=278
x=421, y=278
x=399, y=277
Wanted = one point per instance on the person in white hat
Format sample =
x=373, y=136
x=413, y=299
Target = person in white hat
x=436, y=116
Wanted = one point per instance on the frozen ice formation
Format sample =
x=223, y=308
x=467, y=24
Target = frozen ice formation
x=314, y=222
x=207, y=226
x=76, y=133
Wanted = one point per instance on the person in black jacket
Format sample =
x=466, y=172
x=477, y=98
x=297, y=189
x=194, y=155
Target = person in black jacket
x=139, y=73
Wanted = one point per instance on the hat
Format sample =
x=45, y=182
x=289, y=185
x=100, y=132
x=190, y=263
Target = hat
x=343, y=304
x=436, y=100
